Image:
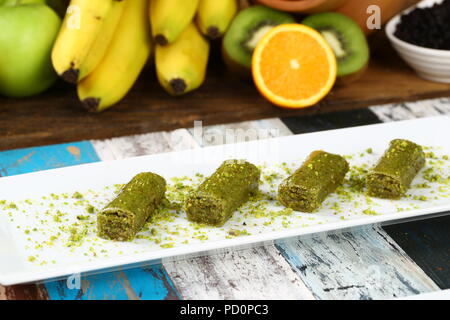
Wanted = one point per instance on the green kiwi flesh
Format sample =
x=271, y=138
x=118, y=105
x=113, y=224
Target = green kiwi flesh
x=246, y=29
x=346, y=39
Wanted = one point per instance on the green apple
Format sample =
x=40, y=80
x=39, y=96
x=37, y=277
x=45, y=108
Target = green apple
x=28, y=31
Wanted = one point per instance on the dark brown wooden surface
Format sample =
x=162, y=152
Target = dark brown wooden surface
x=55, y=116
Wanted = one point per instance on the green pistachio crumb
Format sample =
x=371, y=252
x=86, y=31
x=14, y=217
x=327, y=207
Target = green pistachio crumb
x=370, y=212
x=90, y=209
x=77, y=195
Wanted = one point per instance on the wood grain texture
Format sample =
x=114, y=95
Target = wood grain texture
x=149, y=283
x=360, y=265
x=56, y=116
x=330, y=121
x=259, y=273
x=24, y=292
x=443, y=295
x=239, y=132
x=146, y=144
x=428, y=244
x=412, y=110
x=26, y=160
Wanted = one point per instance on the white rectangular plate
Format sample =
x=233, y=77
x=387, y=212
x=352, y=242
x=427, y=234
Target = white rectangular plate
x=39, y=216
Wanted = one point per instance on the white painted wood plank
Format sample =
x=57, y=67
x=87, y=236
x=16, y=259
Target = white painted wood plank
x=239, y=132
x=145, y=144
x=259, y=273
x=361, y=265
x=411, y=110
x=437, y=295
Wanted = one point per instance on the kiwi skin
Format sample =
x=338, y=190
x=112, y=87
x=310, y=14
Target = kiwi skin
x=241, y=29
x=235, y=68
x=353, y=41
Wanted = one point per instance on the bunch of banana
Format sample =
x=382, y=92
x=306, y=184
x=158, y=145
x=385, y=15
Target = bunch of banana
x=178, y=28
x=124, y=60
x=103, y=45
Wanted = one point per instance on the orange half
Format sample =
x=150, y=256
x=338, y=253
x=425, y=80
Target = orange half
x=293, y=66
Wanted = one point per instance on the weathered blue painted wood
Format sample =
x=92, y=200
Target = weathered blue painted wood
x=100, y=287
x=19, y=161
x=148, y=283
x=151, y=283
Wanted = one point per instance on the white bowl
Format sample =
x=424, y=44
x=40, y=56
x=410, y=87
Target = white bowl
x=430, y=64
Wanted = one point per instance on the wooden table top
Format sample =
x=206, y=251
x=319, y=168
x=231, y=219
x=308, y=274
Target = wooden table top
x=56, y=116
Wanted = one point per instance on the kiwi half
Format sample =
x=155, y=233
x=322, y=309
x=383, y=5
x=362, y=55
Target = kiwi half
x=244, y=32
x=347, y=40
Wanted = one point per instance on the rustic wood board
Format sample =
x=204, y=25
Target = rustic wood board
x=56, y=116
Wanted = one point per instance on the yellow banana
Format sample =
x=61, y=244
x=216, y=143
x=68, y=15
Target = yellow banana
x=101, y=43
x=181, y=65
x=170, y=17
x=81, y=28
x=213, y=16
x=125, y=58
